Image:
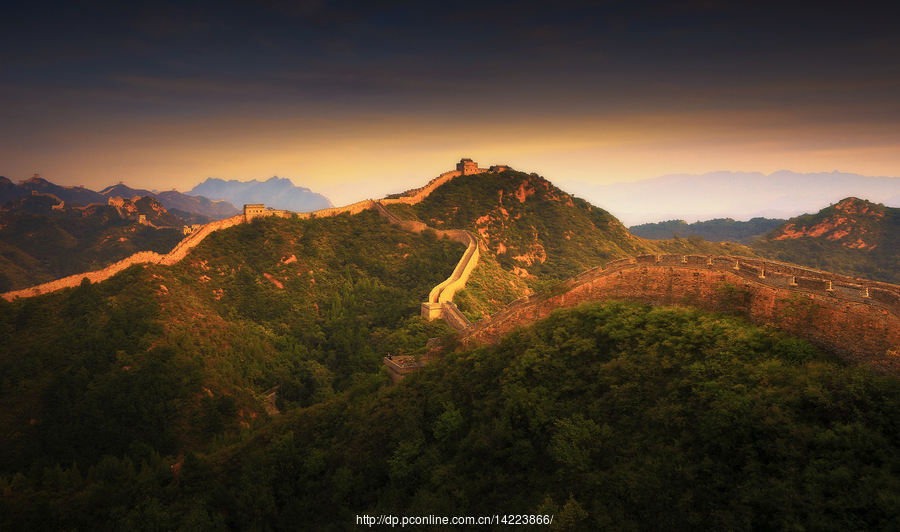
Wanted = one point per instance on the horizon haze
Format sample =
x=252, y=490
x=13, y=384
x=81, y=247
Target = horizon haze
x=355, y=102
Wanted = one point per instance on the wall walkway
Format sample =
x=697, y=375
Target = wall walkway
x=439, y=304
x=442, y=296
x=857, y=319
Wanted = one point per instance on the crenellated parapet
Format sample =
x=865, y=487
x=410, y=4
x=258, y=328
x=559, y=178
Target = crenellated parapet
x=857, y=319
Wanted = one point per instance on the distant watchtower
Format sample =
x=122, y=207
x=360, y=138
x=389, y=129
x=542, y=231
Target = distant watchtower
x=253, y=210
x=468, y=166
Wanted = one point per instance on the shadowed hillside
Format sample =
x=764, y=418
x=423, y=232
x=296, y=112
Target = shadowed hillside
x=42, y=239
x=617, y=417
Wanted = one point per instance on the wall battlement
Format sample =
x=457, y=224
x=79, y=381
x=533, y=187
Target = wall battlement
x=857, y=319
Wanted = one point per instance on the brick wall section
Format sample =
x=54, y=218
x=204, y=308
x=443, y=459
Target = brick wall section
x=190, y=242
x=832, y=311
x=94, y=277
x=141, y=257
x=443, y=293
x=454, y=317
x=411, y=197
x=397, y=372
x=184, y=247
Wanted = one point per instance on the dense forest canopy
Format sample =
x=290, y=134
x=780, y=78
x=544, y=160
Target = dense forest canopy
x=615, y=417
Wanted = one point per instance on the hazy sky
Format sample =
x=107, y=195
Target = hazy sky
x=357, y=101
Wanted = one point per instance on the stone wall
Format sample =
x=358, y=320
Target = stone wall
x=195, y=237
x=856, y=319
x=72, y=281
x=454, y=317
x=141, y=257
x=444, y=292
x=353, y=208
x=400, y=367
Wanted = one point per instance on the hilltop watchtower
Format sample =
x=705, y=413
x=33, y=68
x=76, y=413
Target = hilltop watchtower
x=468, y=166
x=253, y=210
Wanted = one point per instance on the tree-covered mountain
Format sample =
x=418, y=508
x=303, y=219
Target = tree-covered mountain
x=616, y=417
x=276, y=192
x=717, y=230
x=852, y=237
x=311, y=306
x=42, y=238
x=535, y=229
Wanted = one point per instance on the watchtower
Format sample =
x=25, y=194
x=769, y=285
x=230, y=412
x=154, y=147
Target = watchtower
x=253, y=210
x=468, y=166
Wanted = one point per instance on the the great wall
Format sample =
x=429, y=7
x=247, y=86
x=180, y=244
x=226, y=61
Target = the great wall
x=439, y=301
x=143, y=257
x=857, y=319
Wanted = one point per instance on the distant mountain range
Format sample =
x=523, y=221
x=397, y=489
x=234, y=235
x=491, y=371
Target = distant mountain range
x=80, y=195
x=84, y=196
x=43, y=238
x=230, y=196
x=172, y=199
x=718, y=230
x=737, y=195
x=276, y=192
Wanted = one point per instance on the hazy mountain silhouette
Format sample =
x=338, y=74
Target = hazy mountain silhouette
x=738, y=195
x=172, y=199
x=276, y=192
x=79, y=195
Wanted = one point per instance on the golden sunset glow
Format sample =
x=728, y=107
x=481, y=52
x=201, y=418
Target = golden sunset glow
x=336, y=101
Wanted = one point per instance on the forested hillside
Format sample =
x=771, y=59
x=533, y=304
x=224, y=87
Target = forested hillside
x=617, y=417
x=717, y=230
x=172, y=359
x=42, y=240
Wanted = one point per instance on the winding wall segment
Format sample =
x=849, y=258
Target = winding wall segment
x=184, y=247
x=857, y=319
x=439, y=304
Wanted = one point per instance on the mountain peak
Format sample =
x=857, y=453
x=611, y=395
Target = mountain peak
x=852, y=222
x=277, y=192
x=859, y=206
